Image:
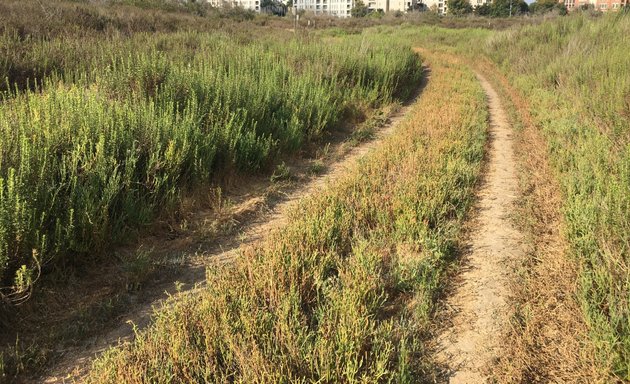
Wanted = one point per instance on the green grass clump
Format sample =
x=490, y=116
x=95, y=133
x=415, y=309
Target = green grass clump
x=89, y=156
x=344, y=292
x=575, y=73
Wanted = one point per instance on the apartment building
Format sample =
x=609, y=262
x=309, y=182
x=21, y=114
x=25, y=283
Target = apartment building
x=342, y=8
x=441, y=8
x=477, y=3
x=610, y=5
x=254, y=5
x=391, y=5
x=339, y=8
x=600, y=5
x=574, y=4
x=438, y=6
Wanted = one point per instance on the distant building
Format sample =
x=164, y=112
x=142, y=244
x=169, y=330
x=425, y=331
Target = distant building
x=254, y=5
x=275, y=7
x=477, y=3
x=441, y=7
x=438, y=6
x=342, y=8
x=600, y=5
x=610, y=5
x=391, y=5
x=338, y=8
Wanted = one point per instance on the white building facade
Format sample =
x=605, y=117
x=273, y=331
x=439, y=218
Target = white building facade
x=339, y=8
x=391, y=5
x=476, y=3
x=441, y=8
x=438, y=6
x=342, y=8
x=254, y=5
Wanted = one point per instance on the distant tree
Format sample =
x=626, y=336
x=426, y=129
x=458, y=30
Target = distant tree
x=533, y=7
x=586, y=7
x=360, y=9
x=237, y=13
x=459, y=7
x=483, y=10
x=501, y=8
x=273, y=7
x=523, y=7
x=420, y=7
x=376, y=14
x=289, y=3
x=545, y=6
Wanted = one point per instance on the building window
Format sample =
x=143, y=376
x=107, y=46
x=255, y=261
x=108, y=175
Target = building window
x=603, y=6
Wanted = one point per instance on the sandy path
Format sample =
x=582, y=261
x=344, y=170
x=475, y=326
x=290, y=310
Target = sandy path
x=478, y=309
x=77, y=361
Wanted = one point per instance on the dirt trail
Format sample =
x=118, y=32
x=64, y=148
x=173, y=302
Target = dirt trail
x=478, y=309
x=77, y=361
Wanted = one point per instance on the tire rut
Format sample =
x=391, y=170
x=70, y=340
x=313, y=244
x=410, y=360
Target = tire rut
x=477, y=310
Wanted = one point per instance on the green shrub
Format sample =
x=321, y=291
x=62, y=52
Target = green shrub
x=575, y=72
x=104, y=143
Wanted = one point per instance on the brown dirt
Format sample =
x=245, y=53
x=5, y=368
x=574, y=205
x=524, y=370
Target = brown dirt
x=478, y=308
x=191, y=277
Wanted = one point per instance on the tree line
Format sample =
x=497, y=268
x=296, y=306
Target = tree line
x=504, y=8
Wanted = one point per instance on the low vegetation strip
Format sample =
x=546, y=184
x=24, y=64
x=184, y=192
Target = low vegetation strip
x=575, y=73
x=88, y=159
x=344, y=292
